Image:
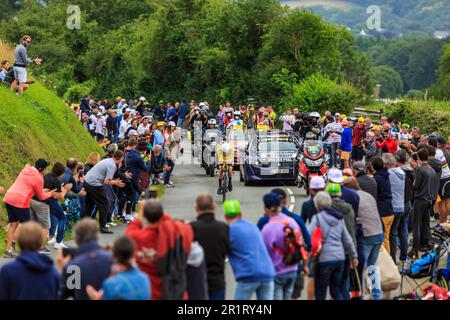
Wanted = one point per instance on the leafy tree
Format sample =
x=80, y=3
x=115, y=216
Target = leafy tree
x=441, y=89
x=319, y=93
x=390, y=81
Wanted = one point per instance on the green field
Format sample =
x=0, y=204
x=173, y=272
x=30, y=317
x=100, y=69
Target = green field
x=327, y=4
x=38, y=125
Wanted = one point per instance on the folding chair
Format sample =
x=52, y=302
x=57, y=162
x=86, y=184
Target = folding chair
x=428, y=275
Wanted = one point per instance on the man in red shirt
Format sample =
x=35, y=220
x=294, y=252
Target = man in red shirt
x=359, y=133
x=157, y=236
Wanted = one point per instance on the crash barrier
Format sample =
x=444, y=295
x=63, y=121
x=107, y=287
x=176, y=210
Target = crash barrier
x=361, y=112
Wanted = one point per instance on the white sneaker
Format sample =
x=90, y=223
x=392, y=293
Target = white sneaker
x=51, y=241
x=60, y=245
x=112, y=224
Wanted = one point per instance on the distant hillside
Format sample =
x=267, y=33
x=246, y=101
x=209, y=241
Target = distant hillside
x=397, y=17
x=38, y=125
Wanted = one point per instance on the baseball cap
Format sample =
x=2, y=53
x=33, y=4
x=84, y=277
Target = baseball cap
x=441, y=140
x=41, y=164
x=337, y=114
x=272, y=201
x=172, y=124
x=232, y=208
x=359, y=166
x=361, y=119
x=317, y=183
x=127, y=110
x=334, y=189
x=161, y=123
x=133, y=133
x=335, y=176
x=370, y=134
x=376, y=127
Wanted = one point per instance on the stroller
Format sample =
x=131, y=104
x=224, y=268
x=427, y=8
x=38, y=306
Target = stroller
x=426, y=269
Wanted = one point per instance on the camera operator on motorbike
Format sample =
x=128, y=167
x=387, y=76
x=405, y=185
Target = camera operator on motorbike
x=309, y=124
x=236, y=123
x=225, y=159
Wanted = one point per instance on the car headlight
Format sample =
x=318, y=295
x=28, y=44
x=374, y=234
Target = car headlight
x=314, y=163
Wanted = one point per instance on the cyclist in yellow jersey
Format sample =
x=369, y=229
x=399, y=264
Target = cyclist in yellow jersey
x=225, y=159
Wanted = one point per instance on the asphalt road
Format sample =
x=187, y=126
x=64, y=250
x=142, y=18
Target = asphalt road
x=191, y=180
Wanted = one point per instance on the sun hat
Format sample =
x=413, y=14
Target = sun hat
x=133, y=133
x=335, y=176
x=317, y=183
x=232, y=208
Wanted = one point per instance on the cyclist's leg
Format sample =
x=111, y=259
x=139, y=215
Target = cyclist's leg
x=230, y=178
x=219, y=191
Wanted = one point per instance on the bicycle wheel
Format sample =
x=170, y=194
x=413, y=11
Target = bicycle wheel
x=224, y=186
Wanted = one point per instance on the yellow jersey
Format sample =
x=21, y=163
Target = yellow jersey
x=222, y=159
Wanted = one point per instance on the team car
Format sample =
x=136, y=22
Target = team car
x=270, y=156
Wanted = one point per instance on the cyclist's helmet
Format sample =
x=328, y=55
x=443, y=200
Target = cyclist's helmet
x=212, y=122
x=226, y=148
x=237, y=115
x=232, y=208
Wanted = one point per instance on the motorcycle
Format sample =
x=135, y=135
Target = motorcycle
x=312, y=161
x=209, y=153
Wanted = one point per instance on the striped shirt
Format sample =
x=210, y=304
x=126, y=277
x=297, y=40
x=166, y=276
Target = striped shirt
x=333, y=137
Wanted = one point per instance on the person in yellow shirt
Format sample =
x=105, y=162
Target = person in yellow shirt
x=225, y=160
x=272, y=114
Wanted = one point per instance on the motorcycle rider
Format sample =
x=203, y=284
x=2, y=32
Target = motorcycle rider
x=228, y=116
x=311, y=125
x=236, y=123
x=211, y=125
x=225, y=158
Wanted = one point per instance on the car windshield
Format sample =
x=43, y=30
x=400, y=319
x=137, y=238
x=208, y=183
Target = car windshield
x=277, y=145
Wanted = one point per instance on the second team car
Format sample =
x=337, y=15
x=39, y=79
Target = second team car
x=270, y=156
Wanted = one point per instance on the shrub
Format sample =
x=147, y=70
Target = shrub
x=415, y=94
x=428, y=116
x=319, y=93
x=77, y=91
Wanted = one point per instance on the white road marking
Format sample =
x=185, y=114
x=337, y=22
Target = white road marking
x=292, y=205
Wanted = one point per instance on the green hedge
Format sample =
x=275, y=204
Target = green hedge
x=427, y=116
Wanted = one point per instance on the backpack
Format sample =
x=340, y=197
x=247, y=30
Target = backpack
x=143, y=180
x=293, y=251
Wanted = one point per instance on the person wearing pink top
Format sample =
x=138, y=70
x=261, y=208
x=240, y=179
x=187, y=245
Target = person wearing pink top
x=28, y=184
